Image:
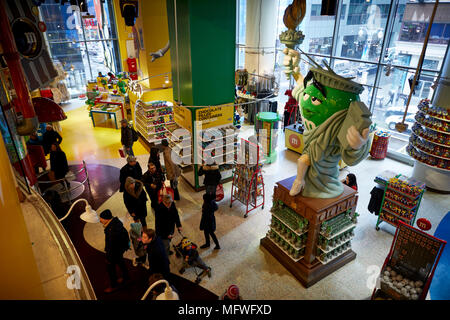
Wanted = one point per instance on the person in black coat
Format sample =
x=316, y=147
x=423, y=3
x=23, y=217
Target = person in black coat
x=212, y=178
x=115, y=246
x=50, y=137
x=126, y=137
x=157, y=256
x=166, y=218
x=155, y=158
x=131, y=169
x=135, y=199
x=208, y=220
x=58, y=163
x=153, y=181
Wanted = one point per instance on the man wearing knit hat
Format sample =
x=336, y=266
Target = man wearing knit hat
x=116, y=243
x=131, y=169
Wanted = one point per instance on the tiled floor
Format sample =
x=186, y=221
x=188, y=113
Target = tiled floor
x=242, y=261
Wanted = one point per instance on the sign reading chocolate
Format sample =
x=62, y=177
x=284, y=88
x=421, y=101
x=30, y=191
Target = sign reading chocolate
x=215, y=116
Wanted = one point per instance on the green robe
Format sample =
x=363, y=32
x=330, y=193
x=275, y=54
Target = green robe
x=325, y=151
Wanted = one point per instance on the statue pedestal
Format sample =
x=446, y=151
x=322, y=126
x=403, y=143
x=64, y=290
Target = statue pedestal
x=309, y=269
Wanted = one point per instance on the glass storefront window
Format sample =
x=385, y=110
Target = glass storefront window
x=85, y=44
x=364, y=28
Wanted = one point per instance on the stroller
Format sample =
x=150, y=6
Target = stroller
x=187, y=250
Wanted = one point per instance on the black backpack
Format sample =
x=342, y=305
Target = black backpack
x=134, y=134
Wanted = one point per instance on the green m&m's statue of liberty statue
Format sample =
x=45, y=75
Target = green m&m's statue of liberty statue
x=336, y=127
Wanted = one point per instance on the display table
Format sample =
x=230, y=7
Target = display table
x=294, y=137
x=311, y=237
x=109, y=114
x=117, y=102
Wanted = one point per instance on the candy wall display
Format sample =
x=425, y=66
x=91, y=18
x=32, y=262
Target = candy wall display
x=401, y=198
x=407, y=288
x=153, y=119
x=430, y=139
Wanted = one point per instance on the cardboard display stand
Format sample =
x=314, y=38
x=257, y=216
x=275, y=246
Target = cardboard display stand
x=413, y=258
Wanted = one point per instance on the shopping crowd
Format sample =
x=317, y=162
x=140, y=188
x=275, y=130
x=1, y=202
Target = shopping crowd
x=152, y=247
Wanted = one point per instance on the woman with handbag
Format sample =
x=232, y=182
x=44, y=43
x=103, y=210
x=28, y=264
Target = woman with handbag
x=135, y=200
x=208, y=220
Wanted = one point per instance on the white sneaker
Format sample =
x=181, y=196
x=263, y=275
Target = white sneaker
x=134, y=262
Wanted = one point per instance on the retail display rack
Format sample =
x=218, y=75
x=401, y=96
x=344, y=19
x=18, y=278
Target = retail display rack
x=204, y=132
x=248, y=181
x=409, y=267
x=401, y=198
x=153, y=119
x=311, y=237
x=430, y=138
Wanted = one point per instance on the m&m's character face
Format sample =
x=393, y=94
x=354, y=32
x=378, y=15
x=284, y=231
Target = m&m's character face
x=319, y=102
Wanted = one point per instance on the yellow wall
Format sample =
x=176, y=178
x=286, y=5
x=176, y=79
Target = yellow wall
x=153, y=22
x=19, y=276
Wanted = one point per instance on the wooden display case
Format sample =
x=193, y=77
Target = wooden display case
x=311, y=217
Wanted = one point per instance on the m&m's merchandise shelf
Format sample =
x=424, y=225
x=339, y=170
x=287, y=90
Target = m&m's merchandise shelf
x=248, y=182
x=430, y=139
x=409, y=267
x=401, y=198
x=325, y=227
x=153, y=119
x=434, y=111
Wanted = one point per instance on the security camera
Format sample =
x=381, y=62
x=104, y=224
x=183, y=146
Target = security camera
x=129, y=11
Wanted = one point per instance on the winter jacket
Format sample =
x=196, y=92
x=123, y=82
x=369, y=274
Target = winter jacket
x=114, y=239
x=157, y=258
x=155, y=158
x=173, y=171
x=157, y=179
x=58, y=164
x=129, y=171
x=135, y=199
x=49, y=138
x=212, y=175
x=208, y=220
x=376, y=196
x=165, y=220
x=126, y=137
x=136, y=239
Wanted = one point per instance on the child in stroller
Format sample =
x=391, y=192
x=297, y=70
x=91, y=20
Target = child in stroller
x=138, y=246
x=191, y=258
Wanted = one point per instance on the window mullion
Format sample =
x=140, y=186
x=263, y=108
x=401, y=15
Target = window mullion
x=386, y=40
x=337, y=22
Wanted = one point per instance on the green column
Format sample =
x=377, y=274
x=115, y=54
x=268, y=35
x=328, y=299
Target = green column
x=202, y=49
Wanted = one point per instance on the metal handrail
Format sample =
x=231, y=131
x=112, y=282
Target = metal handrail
x=66, y=190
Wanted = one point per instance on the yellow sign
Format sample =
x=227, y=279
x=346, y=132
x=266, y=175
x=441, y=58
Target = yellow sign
x=215, y=116
x=183, y=117
x=294, y=140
